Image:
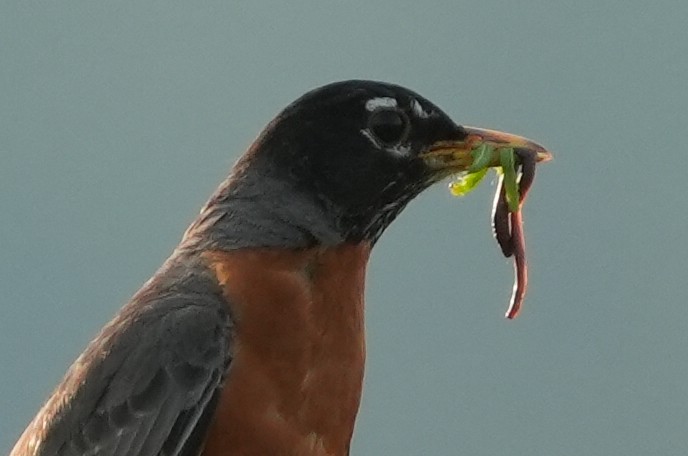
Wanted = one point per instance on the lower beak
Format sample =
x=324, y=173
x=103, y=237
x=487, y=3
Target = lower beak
x=449, y=157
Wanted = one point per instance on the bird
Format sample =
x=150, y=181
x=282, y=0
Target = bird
x=249, y=339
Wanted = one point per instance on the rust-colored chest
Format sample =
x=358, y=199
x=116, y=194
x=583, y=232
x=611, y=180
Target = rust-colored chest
x=294, y=385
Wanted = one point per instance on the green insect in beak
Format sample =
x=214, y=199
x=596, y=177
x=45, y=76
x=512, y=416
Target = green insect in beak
x=483, y=156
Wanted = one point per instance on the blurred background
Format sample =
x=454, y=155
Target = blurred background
x=118, y=119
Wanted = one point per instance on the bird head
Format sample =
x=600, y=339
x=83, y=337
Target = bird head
x=351, y=155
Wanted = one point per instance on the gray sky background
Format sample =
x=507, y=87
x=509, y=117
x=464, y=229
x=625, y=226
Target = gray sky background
x=118, y=119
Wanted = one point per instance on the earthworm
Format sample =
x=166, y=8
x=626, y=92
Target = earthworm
x=500, y=220
x=508, y=228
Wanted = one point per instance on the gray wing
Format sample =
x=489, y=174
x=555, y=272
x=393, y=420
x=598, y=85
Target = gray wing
x=147, y=385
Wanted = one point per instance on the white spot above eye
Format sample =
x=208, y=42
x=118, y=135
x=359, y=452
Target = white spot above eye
x=380, y=102
x=418, y=110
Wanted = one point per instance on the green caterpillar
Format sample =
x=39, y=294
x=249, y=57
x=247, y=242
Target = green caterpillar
x=483, y=156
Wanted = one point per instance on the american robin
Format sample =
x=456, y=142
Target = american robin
x=249, y=340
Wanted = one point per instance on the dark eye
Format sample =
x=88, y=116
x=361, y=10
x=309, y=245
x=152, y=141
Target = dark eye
x=390, y=126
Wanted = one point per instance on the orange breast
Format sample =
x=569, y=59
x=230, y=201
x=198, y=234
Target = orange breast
x=294, y=385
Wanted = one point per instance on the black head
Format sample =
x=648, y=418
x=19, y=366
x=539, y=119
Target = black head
x=354, y=146
x=338, y=165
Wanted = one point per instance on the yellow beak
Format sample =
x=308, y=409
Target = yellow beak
x=449, y=157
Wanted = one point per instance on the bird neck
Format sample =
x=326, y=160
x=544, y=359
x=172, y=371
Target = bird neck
x=253, y=212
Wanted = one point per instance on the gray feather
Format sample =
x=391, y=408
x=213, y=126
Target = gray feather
x=145, y=380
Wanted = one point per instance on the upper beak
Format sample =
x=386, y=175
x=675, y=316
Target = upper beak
x=448, y=157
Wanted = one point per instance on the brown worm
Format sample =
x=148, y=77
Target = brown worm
x=508, y=228
x=500, y=220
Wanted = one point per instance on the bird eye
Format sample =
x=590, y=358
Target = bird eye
x=390, y=126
